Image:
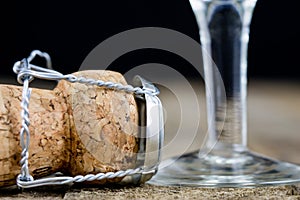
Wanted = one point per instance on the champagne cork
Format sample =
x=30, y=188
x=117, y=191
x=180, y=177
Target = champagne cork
x=76, y=129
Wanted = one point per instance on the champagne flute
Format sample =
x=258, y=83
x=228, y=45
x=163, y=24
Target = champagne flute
x=224, y=33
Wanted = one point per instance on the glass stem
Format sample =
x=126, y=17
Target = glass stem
x=224, y=34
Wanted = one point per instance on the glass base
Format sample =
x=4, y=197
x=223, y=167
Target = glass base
x=242, y=169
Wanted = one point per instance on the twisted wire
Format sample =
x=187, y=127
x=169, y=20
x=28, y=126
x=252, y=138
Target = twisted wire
x=110, y=85
x=101, y=176
x=24, y=133
x=26, y=70
x=64, y=180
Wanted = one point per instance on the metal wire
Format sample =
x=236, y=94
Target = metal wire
x=65, y=180
x=33, y=71
x=26, y=73
x=24, y=133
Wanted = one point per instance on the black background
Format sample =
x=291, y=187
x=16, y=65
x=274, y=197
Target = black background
x=69, y=30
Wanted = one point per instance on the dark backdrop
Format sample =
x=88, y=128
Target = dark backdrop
x=69, y=30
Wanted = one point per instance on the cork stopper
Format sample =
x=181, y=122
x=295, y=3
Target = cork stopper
x=75, y=129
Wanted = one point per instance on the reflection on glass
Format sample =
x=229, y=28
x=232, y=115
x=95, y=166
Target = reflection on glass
x=226, y=161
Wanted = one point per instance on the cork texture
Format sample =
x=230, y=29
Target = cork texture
x=49, y=133
x=104, y=125
x=75, y=129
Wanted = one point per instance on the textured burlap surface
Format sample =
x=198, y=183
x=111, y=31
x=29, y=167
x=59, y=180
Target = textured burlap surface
x=157, y=192
x=273, y=124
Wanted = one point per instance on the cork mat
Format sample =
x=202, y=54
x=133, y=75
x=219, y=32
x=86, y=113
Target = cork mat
x=156, y=192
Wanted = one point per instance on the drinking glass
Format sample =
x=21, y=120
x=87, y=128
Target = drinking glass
x=224, y=33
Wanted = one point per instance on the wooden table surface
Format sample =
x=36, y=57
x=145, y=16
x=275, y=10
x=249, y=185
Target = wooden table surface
x=273, y=130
